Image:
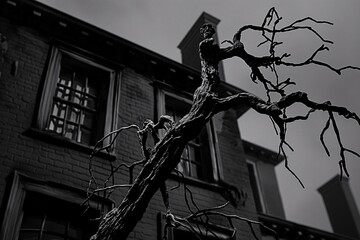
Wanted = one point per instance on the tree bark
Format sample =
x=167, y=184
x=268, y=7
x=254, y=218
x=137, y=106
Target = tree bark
x=165, y=156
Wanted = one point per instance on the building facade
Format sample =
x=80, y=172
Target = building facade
x=64, y=85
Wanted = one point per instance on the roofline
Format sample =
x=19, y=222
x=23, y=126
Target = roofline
x=96, y=29
x=30, y=11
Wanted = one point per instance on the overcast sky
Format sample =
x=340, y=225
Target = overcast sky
x=160, y=25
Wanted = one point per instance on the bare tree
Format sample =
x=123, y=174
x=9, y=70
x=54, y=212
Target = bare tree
x=161, y=159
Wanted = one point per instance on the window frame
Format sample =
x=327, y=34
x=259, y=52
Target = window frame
x=50, y=82
x=45, y=216
x=258, y=185
x=21, y=184
x=217, y=173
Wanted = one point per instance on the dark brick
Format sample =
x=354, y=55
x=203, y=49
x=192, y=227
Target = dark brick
x=50, y=162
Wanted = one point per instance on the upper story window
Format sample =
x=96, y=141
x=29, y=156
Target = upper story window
x=255, y=186
x=79, y=99
x=79, y=106
x=198, y=159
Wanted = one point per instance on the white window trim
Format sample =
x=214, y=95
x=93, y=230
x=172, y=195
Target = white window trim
x=213, y=140
x=21, y=184
x=258, y=184
x=53, y=71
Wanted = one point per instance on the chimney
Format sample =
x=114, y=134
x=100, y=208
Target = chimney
x=189, y=46
x=341, y=207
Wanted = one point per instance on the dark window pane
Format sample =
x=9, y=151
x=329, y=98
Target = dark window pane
x=33, y=221
x=176, y=108
x=75, y=231
x=89, y=102
x=56, y=215
x=79, y=81
x=87, y=119
x=254, y=186
x=27, y=235
x=180, y=235
x=55, y=224
x=85, y=136
x=92, y=88
x=94, y=82
x=66, y=76
x=51, y=236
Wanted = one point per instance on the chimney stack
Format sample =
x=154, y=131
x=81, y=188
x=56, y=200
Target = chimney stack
x=341, y=207
x=189, y=46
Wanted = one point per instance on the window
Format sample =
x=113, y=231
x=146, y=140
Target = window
x=255, y=186
x=198, y=160
x=46, y=217
x=78, y=103
x=79, y=98
x=39, y=210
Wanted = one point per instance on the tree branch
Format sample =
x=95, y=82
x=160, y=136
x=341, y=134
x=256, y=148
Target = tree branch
x=248, y=99
x=161, y=158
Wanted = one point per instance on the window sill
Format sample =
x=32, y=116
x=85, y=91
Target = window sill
x=197, y=183
x=61, y=141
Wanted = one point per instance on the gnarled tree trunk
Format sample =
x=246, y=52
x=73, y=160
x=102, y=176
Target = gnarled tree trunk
x=165, y=156
x=118, y=223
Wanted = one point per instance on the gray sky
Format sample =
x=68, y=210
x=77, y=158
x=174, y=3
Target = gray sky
x=159, y=25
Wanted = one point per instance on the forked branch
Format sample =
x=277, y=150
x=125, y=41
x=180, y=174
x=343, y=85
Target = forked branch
x=161, y=158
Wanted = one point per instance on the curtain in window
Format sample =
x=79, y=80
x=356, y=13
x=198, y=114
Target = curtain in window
x=112, y=106
x=110, y=109
x=12, y=215
x=52, y=75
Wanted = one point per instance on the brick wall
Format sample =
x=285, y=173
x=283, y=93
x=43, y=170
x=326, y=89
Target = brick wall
x=48, y=161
